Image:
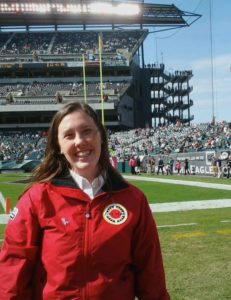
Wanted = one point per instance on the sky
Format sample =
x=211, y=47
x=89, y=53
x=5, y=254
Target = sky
x=205, y=48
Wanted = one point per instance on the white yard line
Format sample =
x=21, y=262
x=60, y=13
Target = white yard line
x=4, y=219
x=177, y=225
x=186, y=205
x=2, y=201
x=217, y=186
x=190, y=205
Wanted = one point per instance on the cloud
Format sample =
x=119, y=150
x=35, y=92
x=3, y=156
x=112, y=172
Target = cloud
x=221, y=63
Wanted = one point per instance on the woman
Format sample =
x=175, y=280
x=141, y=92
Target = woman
x=80, y=231
x=178, y=167
x=132, y=165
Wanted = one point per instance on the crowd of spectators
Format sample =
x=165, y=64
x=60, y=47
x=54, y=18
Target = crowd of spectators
x=80, y=42
x=53, y=90
x=124, y=144
x=171, y=139
x=18, y=146
x=26, y=43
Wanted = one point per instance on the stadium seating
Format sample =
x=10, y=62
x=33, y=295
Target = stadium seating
x=60, y=43
x=54, y=92
x=163, y=140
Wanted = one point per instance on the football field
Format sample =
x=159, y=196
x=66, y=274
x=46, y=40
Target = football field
x=194, y=229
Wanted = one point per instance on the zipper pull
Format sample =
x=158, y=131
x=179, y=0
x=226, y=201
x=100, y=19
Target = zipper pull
x=88, y=215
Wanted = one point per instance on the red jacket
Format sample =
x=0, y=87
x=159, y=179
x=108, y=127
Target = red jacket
x=132, y=162
x=61, y=245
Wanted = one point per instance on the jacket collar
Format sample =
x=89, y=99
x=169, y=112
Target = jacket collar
x=66, y=185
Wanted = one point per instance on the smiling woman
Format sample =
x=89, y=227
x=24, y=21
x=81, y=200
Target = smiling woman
x=76, y=135
x=63, y=240
x=80, y=142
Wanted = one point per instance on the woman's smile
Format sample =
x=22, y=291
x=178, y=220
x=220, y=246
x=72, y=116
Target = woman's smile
x=80, y=143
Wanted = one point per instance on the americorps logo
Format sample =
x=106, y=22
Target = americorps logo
x=115, y=214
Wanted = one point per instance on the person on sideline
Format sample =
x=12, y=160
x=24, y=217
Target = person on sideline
x=80, y=231
x=153, y=165
x=219, y=169
x=114, y=161
x=171, y=163
x=138, y=165
x=149, y=166
x=132, y=165
x=160, y=166
x=178, y=167
x=186, y=167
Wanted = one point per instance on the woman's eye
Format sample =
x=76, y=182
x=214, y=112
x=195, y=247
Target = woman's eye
x=69, y=136
x=87, y=132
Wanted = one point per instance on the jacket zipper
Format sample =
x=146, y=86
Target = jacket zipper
x=86, y=250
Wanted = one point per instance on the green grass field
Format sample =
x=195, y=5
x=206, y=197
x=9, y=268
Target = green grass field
x=197, y=256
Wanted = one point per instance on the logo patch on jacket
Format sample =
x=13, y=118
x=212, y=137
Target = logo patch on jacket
x=14, y=213
x=65, y=221
x=115, y=214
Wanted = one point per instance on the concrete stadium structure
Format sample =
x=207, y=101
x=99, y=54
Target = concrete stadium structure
x=44, y=51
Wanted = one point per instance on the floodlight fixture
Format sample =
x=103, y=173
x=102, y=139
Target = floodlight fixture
x=93, y=13
x=69, y=8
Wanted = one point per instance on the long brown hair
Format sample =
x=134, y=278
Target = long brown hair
x=55, y=163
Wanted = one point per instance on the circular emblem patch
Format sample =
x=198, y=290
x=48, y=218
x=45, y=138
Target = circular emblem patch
x=115, y=214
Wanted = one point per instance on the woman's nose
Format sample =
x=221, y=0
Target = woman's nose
x=78, y=139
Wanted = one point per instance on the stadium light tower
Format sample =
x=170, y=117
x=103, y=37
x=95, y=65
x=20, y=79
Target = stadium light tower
x=85, y=12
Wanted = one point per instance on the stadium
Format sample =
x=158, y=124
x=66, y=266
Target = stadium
x=50, y=57
x=45, y=66
x=52, y=54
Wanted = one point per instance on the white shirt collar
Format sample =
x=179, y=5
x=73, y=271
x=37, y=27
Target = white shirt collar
x=91, y=189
